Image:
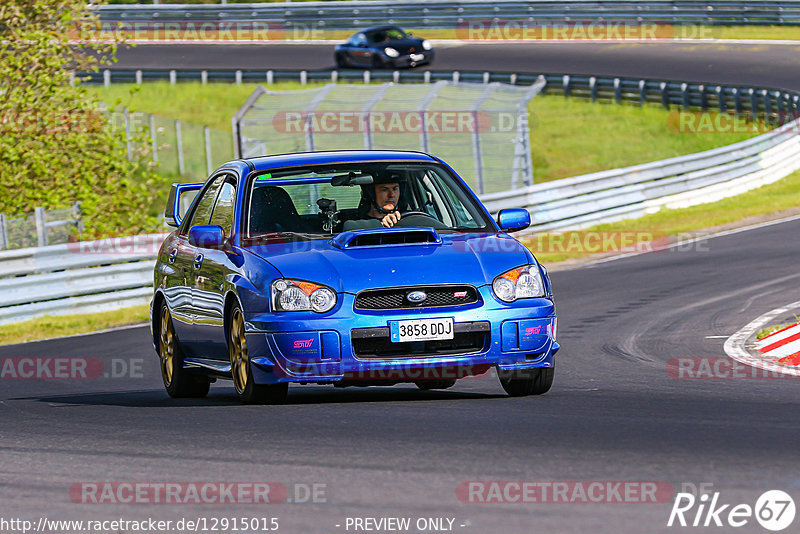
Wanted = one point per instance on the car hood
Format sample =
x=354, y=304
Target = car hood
x=458, y=258
x=403, y=46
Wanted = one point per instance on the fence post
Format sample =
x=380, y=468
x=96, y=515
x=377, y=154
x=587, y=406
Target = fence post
x=664, y=95
x=703, y=97
x=3, y=232
x=721, y=99
x=617, y=91
x=77, y=214
x=565, y=85
x=154, y=137
x=207, y=136
x=127, y=116
x=179, y=146
x=685, y=96
x=767, y=103
x=642, y=92
x=593, y=88
x=41, y=228
x=737, y=100
x=753, y=102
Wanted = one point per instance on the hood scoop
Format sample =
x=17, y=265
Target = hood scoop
x=380, y=237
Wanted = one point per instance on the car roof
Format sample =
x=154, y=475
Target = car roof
x=379, y=28
x=264, y=163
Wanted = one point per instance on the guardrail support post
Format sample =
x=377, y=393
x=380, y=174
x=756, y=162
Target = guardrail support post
x=767, y=106
x=203, y=77
x=367, y=75
x=642, y=92
x=685, y=96
x=107, y=78
x=779, y=100
x=753, y=102
x=565, y=85
x=664, y=95
x=486, y=77
x=270, y=77
x=207, y=138
x=593, y=88
x=334, y=76
x=3, y=232
x=617, y=91
x=238, y=76
x=396, y=76
x=303, y=77
x=723, y=107
x=173, y=77
x=703, y=97
x=179, y=146
x=512, y=79
x=426, y=77
x=41, y=228
x=737, y=100
x=138, y=77
x=456, y=76
x=154, y=138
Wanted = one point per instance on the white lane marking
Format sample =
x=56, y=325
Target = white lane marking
x=694, y=240
x=735, y=345
x=717, y=337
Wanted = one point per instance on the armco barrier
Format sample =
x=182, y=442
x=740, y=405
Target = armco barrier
x=83, y=277
x=346, y=15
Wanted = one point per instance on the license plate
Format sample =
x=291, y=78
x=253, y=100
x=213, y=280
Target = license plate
x=421, y=330
x=417, y=57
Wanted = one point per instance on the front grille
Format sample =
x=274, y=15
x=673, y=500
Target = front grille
x=394, y=298
x=376, y=343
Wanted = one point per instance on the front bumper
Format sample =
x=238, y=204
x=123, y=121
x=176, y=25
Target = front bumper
x=353, y=346
x=410, y=60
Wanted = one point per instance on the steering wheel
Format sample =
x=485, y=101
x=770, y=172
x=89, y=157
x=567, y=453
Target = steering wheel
x=418, y=213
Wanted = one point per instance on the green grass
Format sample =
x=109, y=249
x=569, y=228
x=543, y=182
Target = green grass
x=764, y=332
x=680, y=223
x=568, y=136
x=67, y=325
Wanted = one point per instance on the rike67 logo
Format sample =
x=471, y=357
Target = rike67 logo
x=774, y=510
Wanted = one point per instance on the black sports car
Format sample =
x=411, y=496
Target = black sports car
x=383, y=47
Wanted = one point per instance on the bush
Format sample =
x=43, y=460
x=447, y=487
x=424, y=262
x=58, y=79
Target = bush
x=56, y=146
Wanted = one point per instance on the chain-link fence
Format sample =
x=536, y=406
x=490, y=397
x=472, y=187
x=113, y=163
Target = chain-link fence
x=480, y=129
x=183, y=149
x=41, y=228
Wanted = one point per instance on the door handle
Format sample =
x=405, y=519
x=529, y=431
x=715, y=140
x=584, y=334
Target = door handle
x=198, y=261
x=173, y=254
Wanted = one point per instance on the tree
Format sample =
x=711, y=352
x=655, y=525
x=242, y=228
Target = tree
x=56, y=146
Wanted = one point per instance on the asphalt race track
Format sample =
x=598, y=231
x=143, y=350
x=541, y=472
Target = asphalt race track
x=775, y=65
x=616, y=412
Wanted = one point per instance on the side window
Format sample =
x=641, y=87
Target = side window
x=360, y=39
x=202, y=213
x=223, y=210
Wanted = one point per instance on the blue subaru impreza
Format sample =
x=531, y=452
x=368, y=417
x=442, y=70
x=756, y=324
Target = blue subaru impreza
x=351, y=268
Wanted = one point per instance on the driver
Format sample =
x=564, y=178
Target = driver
x=380, y=200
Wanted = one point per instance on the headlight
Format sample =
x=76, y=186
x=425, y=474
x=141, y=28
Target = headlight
x=296, y=295
x=391, y=52
x=520, y=283
x=426, y=44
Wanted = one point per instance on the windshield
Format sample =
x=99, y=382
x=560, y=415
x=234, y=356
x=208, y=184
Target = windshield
x=390, y=34
x=315, y=203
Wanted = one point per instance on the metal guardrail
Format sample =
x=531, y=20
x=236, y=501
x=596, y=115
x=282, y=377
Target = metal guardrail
x=685, y=95
x=635, y=191
x=82, y=277
x=346, y=15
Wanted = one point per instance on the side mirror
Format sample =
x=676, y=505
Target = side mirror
x=207, y=236
x=179, y=201
x=514, y=219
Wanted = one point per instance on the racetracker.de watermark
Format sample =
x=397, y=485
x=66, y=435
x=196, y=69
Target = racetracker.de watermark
x=564, y=492
x=197, y=492
x=515, y=30
x=720, y=368
x=258, y=31
x=69, y=368
x=745, y=122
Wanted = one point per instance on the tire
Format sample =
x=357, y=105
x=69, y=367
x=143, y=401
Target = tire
x=242, y=374
x=341, y=61
x=522, y=383
x=427, y=385
x=177, y=381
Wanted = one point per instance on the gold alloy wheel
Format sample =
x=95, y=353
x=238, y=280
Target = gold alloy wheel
x=166, y=346
x=238, y=352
